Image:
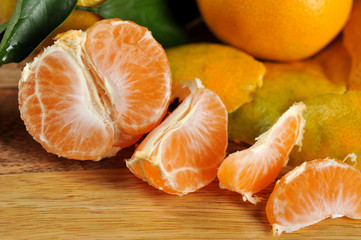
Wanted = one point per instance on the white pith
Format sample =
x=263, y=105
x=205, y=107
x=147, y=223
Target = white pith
x=73, y=48
x=193, y=121
x=183, y=113
x=293, y=174
x=93, y=100
x=352, y=157
x=122, y=100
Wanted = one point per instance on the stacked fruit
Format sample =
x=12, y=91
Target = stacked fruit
x=94, y=92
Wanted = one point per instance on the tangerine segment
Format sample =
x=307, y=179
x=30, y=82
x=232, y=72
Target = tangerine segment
x=184, y=152
x=251, y=170
x=134, y=72
x=53, y=102
x=314, y=191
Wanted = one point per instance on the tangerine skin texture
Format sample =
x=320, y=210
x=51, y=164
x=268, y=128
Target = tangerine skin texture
x=283, y=30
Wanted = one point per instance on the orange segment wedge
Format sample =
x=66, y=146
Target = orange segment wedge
x=184, y=152
x=251, y=170
x=134, y=71
x=314, y=191
x=79, y=97
x=54, y=108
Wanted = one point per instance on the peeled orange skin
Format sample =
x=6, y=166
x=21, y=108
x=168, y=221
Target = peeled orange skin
x=184, y=152
x=331, y=118
x=335, y=62
x=351, y=40
x=314, y=191
x=283, y=84
x=251, y=170
x=78, y=101
x=233, y=74
x=285, y=30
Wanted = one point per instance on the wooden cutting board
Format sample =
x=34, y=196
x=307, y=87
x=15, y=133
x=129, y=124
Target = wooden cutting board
x=43, y=196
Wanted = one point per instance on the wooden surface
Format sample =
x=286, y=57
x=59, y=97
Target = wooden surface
x=43, y=196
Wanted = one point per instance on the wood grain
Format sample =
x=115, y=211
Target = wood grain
x=10, y=73
x=113, y=204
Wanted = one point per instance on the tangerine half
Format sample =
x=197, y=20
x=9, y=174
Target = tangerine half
x=95, y=92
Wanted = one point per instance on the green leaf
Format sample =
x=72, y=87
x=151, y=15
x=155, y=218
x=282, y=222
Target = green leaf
x=3, y=28
x=31, y=22
x=153, y=14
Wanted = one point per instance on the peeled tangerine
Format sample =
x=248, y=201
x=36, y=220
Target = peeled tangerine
x=184, y=152
x=251, y=170
x=314, y=191
x=95, y=92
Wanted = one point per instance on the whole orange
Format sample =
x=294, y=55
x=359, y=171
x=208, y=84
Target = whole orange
x=283, y=30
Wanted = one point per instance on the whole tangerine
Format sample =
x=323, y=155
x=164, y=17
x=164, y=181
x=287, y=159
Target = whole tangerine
x=283, y=30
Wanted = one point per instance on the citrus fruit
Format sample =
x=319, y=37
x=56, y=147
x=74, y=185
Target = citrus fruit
x=284, y=30
x=92, y=93
x=335, y=62
x=352, y=39
x=230, y=73
x=251, y=170
x=283, y=85
x=184, y=152
x=314, y=191
x=77, y=20
x=332, y=128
